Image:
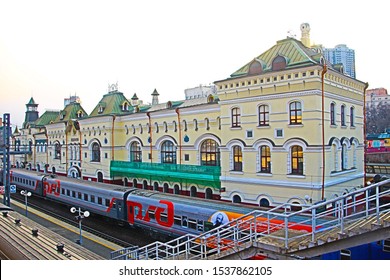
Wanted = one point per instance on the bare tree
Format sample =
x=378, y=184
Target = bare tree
x=377, y=118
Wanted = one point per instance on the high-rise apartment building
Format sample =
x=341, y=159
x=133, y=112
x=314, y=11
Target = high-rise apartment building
x=341, y=54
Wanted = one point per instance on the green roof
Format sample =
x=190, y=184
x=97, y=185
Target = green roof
x=46, y=118
x=112, y=103
x=70, y=112
x=31, y=102
x=295, y=53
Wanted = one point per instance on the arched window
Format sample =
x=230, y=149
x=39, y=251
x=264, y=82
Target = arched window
x=135, y=152
x=236, y=199
x=352, y=117
x=343, y=115
x=155, y=186
x=156, y=127
x=279, y=63
x=168, y=152
x=333, y=114
x=176, y=189
x=255, y=68
x=264, y=202
x=237, y=158
x=95, y=152
x=195, y=125
x=209, y=153
x=209, y=193
x=236, y=117
x=57, y=150
x=166, y=188
x=344, y=157
x=263, y=115
x=295, y=113
x=296, y=160
x=335, y=153
x=145, y=185
x=193, y=192
x=100, y=177
x=185, y=125
x=207, y=123
x=265, y=159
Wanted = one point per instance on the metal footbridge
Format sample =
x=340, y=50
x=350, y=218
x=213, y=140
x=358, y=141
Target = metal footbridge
x=356, y=218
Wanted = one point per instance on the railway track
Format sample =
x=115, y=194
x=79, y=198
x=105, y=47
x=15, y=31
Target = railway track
x=93, y=224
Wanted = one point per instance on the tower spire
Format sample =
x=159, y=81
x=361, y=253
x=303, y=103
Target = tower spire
x=155, y=95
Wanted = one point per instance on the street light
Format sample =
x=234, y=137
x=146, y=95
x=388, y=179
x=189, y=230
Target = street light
x=26, y=194
x=81, y=215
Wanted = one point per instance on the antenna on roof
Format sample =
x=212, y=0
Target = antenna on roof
x=291, y=34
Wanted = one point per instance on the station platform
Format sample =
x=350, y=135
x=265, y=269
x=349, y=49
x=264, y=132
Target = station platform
x=41, y=237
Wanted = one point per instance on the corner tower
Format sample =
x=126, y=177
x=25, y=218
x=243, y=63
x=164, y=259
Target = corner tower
x=32, y=112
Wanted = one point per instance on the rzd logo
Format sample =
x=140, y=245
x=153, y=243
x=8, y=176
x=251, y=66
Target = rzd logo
x=134, y=211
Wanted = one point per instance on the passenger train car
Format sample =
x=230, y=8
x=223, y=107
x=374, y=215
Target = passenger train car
x=158, y=213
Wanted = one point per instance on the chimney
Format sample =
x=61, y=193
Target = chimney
x=305, y=37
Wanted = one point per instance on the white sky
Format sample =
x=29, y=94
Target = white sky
x=50, y=50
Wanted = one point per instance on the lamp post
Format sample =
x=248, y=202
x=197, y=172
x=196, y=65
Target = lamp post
x=26, y=194
x=81, y=215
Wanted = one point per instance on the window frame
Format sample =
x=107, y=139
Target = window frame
x=295, y=113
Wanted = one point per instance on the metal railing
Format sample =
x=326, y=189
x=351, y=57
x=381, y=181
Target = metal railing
x=278, y=227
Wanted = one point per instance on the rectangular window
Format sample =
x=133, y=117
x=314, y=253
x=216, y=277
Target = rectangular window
x=279, y=133
x=92, y=198
x=295, y=113
x=236, y=117
x=107, y=202
x=386, y=245
x=186, y=157
x=249, y=134
x=100, y=200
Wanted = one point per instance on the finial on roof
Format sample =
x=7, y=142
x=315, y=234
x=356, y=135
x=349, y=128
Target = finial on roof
x=155, y=95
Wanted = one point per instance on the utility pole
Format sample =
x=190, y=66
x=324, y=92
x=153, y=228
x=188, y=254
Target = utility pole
x=6, y=158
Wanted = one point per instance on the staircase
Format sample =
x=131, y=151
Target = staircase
x=281, y=234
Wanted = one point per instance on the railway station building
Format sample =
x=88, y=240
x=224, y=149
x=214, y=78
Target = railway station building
x=286, y=127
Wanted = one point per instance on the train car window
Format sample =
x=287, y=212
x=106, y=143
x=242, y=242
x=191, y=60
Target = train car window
x=192, y=223
x=151, y=214
x=107, y=202
x=386, y=245
x=79, y=195
x=92, y=198
x=100, y=200
x=86, y=197
x=163, y=217
x=73, y=194
x=177, y=220
x=208, y=226
x=345, y=255
x=63, y=191
x=68, y=192
x=200, y=226
x=184, y=221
